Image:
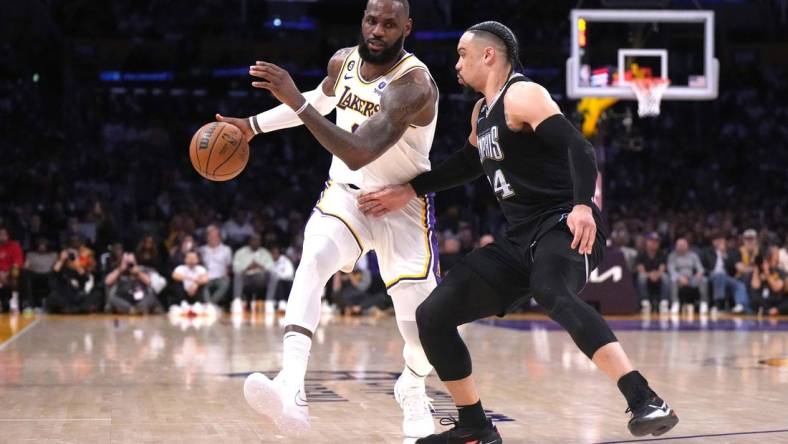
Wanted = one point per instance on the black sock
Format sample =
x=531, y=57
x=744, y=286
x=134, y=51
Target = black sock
x=472, y=416
x=635, y=388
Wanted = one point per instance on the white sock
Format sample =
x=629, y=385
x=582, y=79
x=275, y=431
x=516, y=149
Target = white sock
x=295, y=357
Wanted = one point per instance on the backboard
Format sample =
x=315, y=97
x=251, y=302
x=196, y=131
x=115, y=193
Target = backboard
x=610, y=47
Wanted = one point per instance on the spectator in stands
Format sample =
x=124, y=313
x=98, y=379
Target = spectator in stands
x=350, y=291
x=652, y=274
x=33, y=232
x=11, y=261
x=784, y=255
x=620, y=239
x=217, y=258
x=767, y=283
x=485, y=240
x=686, y=271
x=110, y=258
x=251, y=264
x=747, y=254
x=721, y=263
x=129, y=288
x=280, y=280
x=451, y=254
x=237, y=230
x=147, y=254
x=178, y=252
x=190, y=279
x=75, y=289
x=38, y=273
x=465, y=236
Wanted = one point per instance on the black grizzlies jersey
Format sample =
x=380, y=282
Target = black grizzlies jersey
x=531, y=178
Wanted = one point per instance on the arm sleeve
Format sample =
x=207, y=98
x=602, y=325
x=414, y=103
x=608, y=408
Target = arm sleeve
x=283, y=116
x=559, y=132
x=461, y=167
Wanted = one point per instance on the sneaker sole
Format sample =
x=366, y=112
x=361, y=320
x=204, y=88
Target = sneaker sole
x=420, y=429
x=655, y=427
x=261, y=394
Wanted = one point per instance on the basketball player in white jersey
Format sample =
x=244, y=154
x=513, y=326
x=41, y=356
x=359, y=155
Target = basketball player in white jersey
x=387, y=106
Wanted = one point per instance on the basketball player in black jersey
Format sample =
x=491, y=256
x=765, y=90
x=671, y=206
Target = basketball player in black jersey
x=544, y=173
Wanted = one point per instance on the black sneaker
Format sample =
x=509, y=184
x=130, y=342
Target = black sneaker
x=463, y=435
x=652, y=417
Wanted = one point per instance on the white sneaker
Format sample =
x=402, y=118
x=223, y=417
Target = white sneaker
x=675, y=308
x=738, y=308
x=285, y=403
x=663, y=307
x=198, y=309
x=269, y=306
x=416, y=409
x=282, y=306
x=13, y=303
x=704, y=308
x=645, y=306
x=175, y=310
x=237, y=307
x=211, y=311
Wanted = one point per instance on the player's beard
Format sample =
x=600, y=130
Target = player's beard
x=387, y=55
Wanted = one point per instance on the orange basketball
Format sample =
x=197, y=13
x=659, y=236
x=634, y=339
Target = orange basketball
x=219, y=151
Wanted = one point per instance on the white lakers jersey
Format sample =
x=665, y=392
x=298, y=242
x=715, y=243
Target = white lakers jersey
x=359, y=99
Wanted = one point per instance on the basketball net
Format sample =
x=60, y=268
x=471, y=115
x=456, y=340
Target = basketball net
x=649, y=92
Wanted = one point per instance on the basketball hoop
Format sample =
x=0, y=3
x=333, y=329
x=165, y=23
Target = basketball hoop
x=649, y=92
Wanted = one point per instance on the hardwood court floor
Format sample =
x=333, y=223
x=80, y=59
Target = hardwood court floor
x=101, y=379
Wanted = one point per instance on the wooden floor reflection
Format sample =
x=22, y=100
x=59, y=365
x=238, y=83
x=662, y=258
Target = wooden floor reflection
x=100, y=379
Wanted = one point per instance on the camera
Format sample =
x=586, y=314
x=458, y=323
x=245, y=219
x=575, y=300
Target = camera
x=72, y=255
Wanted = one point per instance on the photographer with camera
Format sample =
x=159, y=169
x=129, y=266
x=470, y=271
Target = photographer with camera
x=129, y=288
x=768, y=283
x=74, y=284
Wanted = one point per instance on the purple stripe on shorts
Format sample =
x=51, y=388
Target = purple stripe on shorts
x=431, y=222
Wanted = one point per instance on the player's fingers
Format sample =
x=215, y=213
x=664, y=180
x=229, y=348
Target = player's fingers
x=263, y=85
x=381, y=211
x=588, y=240
x=260, y=72
x=366, y=198
x=365, y=208
x=578, y=236
x=591, y=239
x=219, y=117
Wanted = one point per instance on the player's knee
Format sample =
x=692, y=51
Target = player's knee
x=545, y=293
x=430, y=316
x=424, y=317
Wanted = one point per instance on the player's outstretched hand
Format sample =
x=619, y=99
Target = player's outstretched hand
x=583, y=226
x=278, y=82
x=386, y=200
x=242, y=124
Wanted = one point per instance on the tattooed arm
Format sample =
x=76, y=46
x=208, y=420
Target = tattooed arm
x=408, y=100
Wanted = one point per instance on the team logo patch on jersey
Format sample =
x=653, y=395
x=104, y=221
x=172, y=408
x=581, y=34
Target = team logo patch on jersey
x=348, y=100
x=351, y=65
x=488, y=145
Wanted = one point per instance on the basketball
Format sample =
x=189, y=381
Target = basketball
x=219, y=151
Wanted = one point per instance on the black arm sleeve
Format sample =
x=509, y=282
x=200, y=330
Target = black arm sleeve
x=559, y=132
x=461, y=167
